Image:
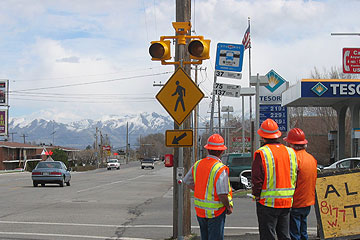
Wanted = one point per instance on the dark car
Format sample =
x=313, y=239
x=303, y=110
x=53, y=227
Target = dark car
x=50, y=172
x=239, y=168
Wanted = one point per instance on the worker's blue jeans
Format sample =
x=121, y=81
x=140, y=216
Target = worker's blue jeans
x=298, y=223
x=212, y=228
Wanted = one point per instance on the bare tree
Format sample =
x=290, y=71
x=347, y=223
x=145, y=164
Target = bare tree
x=152, y=145
x=86, y=157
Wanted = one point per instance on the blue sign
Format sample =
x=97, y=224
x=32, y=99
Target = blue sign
x=229, y=57
x=275, y=112
x=316, y=88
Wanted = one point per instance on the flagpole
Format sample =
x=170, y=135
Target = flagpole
x=251, y=133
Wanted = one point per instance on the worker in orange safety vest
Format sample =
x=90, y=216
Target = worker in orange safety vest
x=274, y=172
x=209, y=179
x=304, y=195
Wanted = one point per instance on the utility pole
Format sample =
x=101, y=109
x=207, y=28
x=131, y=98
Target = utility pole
x=196, y=120
x=53, y=133
x=24, y=136
x=101, y=147
x=97, y=148
x=12, y=135
x=127, y=143
x=181, y=195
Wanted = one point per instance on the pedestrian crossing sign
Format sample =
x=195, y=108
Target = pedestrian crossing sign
x=179, y=96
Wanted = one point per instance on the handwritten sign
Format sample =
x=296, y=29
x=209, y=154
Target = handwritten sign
x=338, y=204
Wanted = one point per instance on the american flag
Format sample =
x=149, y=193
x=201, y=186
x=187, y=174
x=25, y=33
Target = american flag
x=246, y=40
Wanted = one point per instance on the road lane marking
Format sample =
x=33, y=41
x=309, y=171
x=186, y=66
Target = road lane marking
x=69, y=235
x=106, y=184
x=311, y=229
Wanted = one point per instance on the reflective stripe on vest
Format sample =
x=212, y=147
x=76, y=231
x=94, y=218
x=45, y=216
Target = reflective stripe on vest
x=271, y=193
x=209, y=204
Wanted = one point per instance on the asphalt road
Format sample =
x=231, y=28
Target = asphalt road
x=128, y=204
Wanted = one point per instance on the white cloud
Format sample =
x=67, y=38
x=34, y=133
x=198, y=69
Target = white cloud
x=49, y=44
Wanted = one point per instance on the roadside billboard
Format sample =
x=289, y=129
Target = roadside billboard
x=338, y=204
x=3, y=122
x=351, y=60
x=4, y=89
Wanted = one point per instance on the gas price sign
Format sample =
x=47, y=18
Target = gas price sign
x=275, y=112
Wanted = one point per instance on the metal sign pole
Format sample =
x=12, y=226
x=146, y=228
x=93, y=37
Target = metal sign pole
x=180, y=171
x=243, y=124
x=257, y=122
x=212, y=108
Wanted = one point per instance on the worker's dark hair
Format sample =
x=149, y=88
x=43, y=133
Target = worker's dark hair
x=215, y=152
x=271, y=140
x=299, y=146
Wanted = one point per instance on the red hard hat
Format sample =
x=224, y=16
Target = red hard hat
x=269, y=129
x=296, y=136
x=215, y=142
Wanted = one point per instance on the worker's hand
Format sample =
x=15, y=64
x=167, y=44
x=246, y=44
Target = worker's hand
x=229, y=210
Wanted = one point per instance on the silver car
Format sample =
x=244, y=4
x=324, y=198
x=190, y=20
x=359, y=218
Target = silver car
x=50, y=172
x=346, y=163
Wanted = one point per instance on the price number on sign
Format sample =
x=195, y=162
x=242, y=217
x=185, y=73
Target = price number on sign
x=277, y=115
x=219, y=89
x=219, y=73
x=219, y=92
x=277, y=108
x=219, y=86
x=279, y=121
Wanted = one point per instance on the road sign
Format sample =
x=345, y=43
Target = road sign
x=229, y=57
x=179, y=138
x=226, y=74
x=351, y=60
x=337, y=205
x=179, y=96
x=275, y=112
x=227, y=90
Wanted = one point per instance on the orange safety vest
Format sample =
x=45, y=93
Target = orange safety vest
x=304, y=195
x=280, y=167
x=206, y=173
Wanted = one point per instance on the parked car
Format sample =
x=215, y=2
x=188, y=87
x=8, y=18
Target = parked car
x=113, y=163
x=239, y=166
x=51, y=172
x=346, y=163
x=147, y=163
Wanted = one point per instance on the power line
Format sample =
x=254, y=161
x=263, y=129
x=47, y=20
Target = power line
x=77, y=76
x=89, y=83
x=89, y=96
x=72, y=101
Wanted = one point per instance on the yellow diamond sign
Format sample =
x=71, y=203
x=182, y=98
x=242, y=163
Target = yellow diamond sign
x=179, y=96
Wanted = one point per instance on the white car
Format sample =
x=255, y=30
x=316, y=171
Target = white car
x=147, y=163
x=113, y=163
x=346, y=163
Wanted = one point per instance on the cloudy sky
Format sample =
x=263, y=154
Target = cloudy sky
x=73, y=59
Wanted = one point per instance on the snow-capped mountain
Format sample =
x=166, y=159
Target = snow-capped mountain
x=81, y=133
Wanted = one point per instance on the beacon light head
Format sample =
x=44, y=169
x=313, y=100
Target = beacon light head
x=160, y=50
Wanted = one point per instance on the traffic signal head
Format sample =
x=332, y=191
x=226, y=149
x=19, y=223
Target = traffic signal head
x=160, y=50
x=199, y=49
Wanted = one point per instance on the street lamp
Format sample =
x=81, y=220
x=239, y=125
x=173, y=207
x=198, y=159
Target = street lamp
x=345, y=34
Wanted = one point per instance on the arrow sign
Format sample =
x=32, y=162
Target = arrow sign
x=179, y=138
